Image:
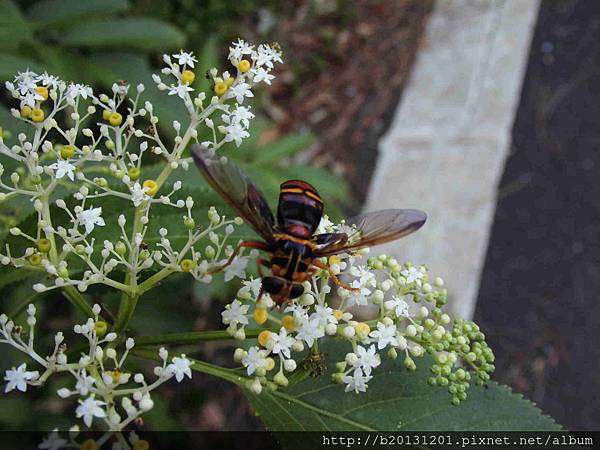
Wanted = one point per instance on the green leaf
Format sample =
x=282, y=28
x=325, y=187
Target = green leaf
x=11, y=64
x=283, y=148
x=396, y=400
x=51, y=13
x=139, y=33
x=13, y=29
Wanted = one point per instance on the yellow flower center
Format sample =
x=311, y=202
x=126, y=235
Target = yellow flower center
x=89, y=444
x=44, y=245
x=188, y=77
x=244, y=65
x=362, y=328
x=26, y=111
x=67, y=151
x=335, y=259
x=338, y=314
x=134, y=173
x=141, y=444
x=152, y=187
x=187, y=265
x=115, y=119
x=220, y=88
x=260, y=315
x=270, y=364
x=43, y=91
x=35, y=259
x=263, y=337
x=289, y=323
x=37, y=115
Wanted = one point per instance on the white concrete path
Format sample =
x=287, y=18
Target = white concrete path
x=447, y=144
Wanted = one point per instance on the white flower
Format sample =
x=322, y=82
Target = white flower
x=49, y=80
x=84, y=384
x=240, y=91
x=138, y=194
x=26, y=81
x=412, y=274
x=236, y=132
x=181, y=89
x=18, y=378
x=356, y=382
x=242, y=114
x=253, y=285
x=261, y=74
x=359, y=297
x=180, y=367
x=91, y=217
x=310, y=330
x=236, y=313
x=239, y=49
x=53, y=442
x=254, y=359
x=366, y=359
x=398, y=305
x=63, y=168
x=266, y=55
x=90, y=408
x=365, y=276
x=324, y=314
x=236, y=269
x=185, y=58
x=384, y=335
x=78, y=90
x=325, y=225
x=282, y=342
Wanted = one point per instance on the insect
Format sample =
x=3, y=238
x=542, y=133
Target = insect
x=291, y=241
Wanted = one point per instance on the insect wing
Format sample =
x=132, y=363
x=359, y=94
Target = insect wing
x=237, y=190
x=377, y=227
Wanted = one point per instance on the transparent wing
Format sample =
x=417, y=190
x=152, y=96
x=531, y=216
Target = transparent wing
x=374, y=228
x=236, y=189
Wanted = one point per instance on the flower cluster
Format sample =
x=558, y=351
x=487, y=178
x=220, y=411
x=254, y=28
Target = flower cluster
x=105, y=389
x=408, y=320
x=55, y=156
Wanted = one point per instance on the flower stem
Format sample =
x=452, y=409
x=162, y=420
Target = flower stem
x=190, y=337
x=199, y=366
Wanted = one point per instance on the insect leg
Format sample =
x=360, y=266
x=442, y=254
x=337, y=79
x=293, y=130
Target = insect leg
x=333, y=276
x=244, y=244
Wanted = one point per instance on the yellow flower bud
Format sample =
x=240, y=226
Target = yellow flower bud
x=229, y=81
x=152, y=187
x=67, y=151
x=220, y=88
x=188, y=77
x=263, y=337
x=115, y=119
x=289, y=323
x=244, y=65
x=106, y=114
x=187, y=265
x=260, y=315
x=37, y=115
x=42, y=91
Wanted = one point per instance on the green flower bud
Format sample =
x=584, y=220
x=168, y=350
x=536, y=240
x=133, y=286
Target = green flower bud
x=187, y=265
x=44, y=245
x=134, y=173
x=80, y=249
x=101, y=327
x=144, y=254
x=392, y=353
x=210, y=252
x=35, y=259
x=36, y=179
x=63, y=272
x=189, y=223
x=120, y=248
x=340, y=366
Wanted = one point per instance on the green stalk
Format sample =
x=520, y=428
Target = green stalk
x=190, y=337
x=199, y=366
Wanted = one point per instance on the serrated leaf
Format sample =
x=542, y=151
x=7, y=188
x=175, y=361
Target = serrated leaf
x=60, y=12
x=139, y=33
x=396, y=400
